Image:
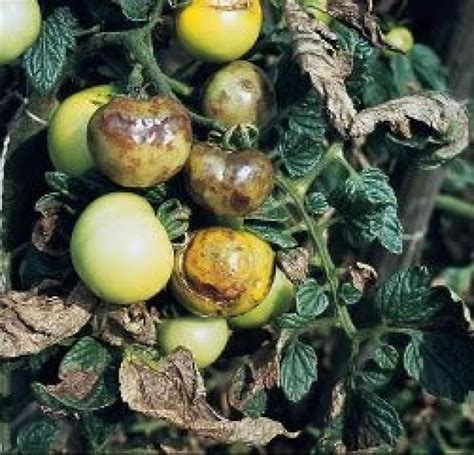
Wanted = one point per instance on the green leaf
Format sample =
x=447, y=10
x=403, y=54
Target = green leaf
x=38, y=436
x=293, y=321
x=272, y=210
x=442, y=363
x=428, y=68
x=459, y=175
x=385, y=356
x=316, y=203
x=299, y=369
x=175, y=218
x=136, y=10
x=370, y=422
x=389, y=230
x=97, y=431
x=45, y=60
x=311, y=301
x=349, y=293
x=378, y=368
x=256, y=406
x=272, y=233
x=403, y=74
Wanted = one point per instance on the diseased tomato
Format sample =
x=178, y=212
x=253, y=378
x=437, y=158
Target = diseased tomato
x=240, y=93
x=120, y=249
x=206, y=338
x=401, y=38
x=67, y=132
x=219, y=30
x=20, y=24
x=140, y=143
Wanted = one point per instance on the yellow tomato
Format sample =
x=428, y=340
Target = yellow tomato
x=67, y=133
x=20, y=24
x=401, y=38
x=120, y=249
x=219, y=30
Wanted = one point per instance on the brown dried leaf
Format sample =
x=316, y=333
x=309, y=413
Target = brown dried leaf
x=75, y=384
x=362, y=275
x=314, y=48
x=122, y=325
x=30, y=323
x=358, y=15
x=443, y=115
x=294, y=263
x=173, y=389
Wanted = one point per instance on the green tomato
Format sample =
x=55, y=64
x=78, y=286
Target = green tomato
x=401, y=38
x=20, y=24
x=67, y=133
x=206, y=338
x=120, y=249
x=275, y=303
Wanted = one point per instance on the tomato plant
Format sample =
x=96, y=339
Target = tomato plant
x=232, y=172
x=20, y=23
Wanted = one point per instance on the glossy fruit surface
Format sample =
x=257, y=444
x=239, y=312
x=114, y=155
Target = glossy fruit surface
x=120, y=249
x=140, y=143
x=275, y=303
x=67, y=132
x=206, y=338
x=240, y=93
x=222, y=272
x=228, y=183
x=20, y=24
x=401, y=38
x=219, y=30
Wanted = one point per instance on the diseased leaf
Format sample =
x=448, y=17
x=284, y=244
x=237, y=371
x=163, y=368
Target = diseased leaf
x=362, y=275
x=295, y=263
x=442, y=363
x=172, y=389
x=30, y=323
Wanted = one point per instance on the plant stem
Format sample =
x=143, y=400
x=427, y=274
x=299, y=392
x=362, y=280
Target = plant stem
x=455, y=206
x=5, y=432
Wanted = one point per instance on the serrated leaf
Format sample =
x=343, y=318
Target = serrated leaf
x=349, y=294
x=316, y=203
x=299, y=369
x=311, y=301
x=293, y=321
x=38, y=436
x=175, y=218
x=272, y=233
x=272, y=210
x=442, y=363
x=385, y=356
x=428, y=68
x=390, y=231
x=255, y=407
x=136, y=10
x=97, y=431
x=45, y=60
x=299, y=153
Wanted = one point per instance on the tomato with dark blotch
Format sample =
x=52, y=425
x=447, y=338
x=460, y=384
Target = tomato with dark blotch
x=140, y=143
x=240, y=93
x=222, y=272
x=228, y=183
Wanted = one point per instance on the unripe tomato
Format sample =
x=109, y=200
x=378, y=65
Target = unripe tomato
x=20, y=24
x=219, y=30
x=120, y=249
x=240, y=93
x=67, y=133
x=401, y=38
x=206, y=338
x=140, y=143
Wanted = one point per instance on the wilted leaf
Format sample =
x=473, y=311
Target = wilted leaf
x=362, y=275
x=29, y=323
x=315, y=49
x=173, y=389
x=295, y=263
x=121, y=325
x=445, y=118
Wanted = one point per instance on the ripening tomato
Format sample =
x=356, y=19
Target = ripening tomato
x=206, y=338
x=20, y=24
x=120, y=249
x=217, y=30
x=401, y=38
x=67, y=132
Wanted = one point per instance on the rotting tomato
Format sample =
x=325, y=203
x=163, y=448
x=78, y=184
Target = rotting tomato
x=20, y=24
x=240, y=93
x=401, y=38
x=67, y=132
x=222, y=272
x=219, y=30
x=120, y=249
x=140, y=143
x=206, y=338
x=228, y=183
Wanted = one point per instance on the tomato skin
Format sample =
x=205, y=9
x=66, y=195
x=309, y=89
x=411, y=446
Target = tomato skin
x=120, y=249
x=67, y=132
x=20, y=24
x=240, y=93
x=206, y=338
x=219, y=31
x=401, y=38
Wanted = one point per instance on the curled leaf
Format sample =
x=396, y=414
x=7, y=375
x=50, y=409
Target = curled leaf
x=446, y=119
x=30, y=323
x=315, y=49
x=362, y=275
x=173, y=389
x=294, y=263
